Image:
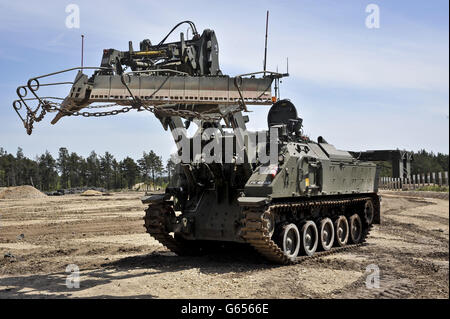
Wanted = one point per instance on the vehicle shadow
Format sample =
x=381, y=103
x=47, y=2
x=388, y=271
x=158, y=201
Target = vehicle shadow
x=232, y=259
x=53, y=285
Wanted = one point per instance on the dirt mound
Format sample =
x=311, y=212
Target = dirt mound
x=21, y=192
x=91, y=192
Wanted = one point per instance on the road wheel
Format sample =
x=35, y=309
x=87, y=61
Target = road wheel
x=326, y=234
x=290, y=240
x=368, y=212
x=309, y=237
x=355, y=228
x=341, y=228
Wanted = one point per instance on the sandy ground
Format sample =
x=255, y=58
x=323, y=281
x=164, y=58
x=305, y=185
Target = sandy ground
x=105, y=238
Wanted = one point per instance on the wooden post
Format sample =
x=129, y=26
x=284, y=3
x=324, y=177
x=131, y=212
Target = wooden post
x=446, y=178
x=440, y=178
x=433, y=177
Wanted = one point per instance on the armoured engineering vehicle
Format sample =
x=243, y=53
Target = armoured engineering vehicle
x=308, y=198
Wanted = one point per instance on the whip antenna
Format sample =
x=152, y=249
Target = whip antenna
x=82, y=49
x=265, y=45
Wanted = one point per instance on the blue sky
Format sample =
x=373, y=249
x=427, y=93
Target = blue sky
x=360, y=88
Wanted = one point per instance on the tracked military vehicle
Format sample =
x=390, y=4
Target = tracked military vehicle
x=315, y=198
x=309, y=198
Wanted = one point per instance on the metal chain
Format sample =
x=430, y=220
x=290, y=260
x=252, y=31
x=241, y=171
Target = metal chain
x=48, y=106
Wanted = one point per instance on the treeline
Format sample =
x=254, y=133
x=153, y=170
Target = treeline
x=70, y=170
x=423, y=162
x=428, y=162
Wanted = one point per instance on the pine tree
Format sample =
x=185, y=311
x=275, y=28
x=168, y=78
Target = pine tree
x=130, y=171
x=47, y=172
x=106, y=168
x=63, y=167
x=151, y=165
x=93, y=170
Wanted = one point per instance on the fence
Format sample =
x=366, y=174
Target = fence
x=414, y=181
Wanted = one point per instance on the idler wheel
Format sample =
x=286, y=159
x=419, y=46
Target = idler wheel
x=341, y=228
x=270, y=222
x=355, y=228
x=368, y=212
x=326, y=234
x=290, y=240
x=309, y=238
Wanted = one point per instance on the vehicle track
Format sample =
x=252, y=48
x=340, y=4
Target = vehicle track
x=254, y=229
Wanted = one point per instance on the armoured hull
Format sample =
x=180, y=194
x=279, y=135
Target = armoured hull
x=313, y=199
x=313, y=169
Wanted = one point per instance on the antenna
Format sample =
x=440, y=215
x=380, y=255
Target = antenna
x=82, y=49
x=276, y=86
x=265, y=45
